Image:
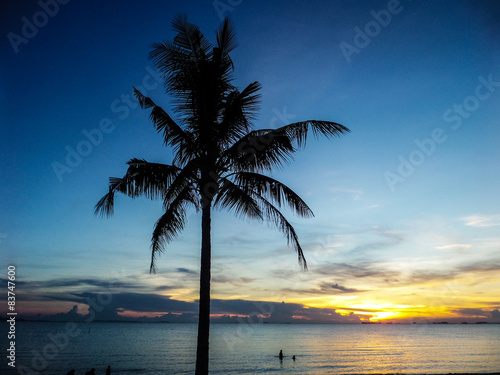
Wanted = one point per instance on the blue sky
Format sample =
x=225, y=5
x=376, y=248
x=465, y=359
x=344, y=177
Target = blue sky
x=395, y=224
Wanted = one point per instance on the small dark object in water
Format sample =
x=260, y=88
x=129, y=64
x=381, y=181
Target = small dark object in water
x=293, y=357
x=281, y=354
x=72, y=372
x=108, y=370
x=91, y=372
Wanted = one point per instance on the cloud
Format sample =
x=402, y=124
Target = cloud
x=454, y=246
x=482, y=221
x=288, y=312
x=354, y=193
x=357, y=270
x=388, y=239
x=324, y=288
x=482, y=266
x=66, y=283
x=422, y=276
x=112, y=285
x=185, y=270
x=112, y=306
x=139, y=302
x=495, y=314
x=327, y=287
x=473, y=312
x=70, y=316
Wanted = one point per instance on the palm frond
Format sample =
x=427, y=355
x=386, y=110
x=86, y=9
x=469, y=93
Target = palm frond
x=226, y=37
x=188, y=176
x=190, y=38
x=151, y=180
x=297, y=132
x=259, y=150
x=105, y=206
x=265, y=149
x=276, y=191
x=273, y=215
x=225, y=44
x=237, y=113
x=171, y=223
x=237, y=199
x=181, y=141
x=247, y=202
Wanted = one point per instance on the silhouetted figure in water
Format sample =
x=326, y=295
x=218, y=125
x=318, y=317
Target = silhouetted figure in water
x=281, y=355
x=293, y=358
x=108, y=370
x=91, y=372
x=72, y=372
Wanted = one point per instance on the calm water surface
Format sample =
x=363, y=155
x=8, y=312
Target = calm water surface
x=252, y=349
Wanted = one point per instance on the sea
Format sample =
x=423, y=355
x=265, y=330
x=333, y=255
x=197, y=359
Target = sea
x=170, y=348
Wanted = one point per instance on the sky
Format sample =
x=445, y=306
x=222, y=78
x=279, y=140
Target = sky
x=407, y=214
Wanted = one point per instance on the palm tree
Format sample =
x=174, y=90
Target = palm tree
x=218, y=158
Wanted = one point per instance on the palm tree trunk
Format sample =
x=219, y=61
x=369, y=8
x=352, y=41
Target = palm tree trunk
x=204, y=314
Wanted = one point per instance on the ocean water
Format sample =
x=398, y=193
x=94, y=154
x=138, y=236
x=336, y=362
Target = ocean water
x=135, y=348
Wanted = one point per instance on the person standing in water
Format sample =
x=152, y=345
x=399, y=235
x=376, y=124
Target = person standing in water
x=281, y=355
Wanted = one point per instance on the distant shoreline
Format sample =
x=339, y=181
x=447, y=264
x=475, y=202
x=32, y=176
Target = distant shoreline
x=286, y=323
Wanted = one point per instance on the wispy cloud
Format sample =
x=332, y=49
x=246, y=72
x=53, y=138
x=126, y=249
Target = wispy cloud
x=354, y=193
x=453, y=246
x=357, y=271
x=185, y=270
x=324, y=289
x=336, y=286
x=481, y=221
x=482, y=266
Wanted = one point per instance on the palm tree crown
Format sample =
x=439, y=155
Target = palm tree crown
x=218, y=160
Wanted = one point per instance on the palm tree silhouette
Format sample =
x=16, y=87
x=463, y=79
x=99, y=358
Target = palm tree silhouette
x=218, y=158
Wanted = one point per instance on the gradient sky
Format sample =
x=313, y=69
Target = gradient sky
x=407, y=214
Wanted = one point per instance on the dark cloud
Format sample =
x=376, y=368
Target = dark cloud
x=241, y=307
x=336, y=286
x=165, y=288
x=70, y=316
x=484, y=266
x=109, y=306
x=357, y=270
x=185, y=270
x=274, y=312
x=422, y=276
x=139, y=302
x=473, y=312
x=130, y=283
x=495, y=314
x=325, y=288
